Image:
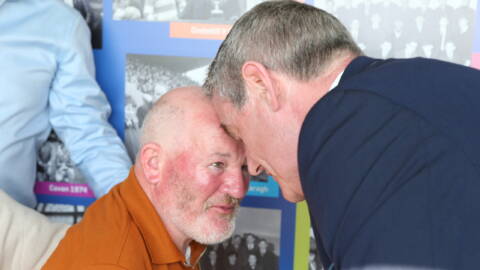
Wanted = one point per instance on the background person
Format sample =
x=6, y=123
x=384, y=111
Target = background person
x=27, y=237
x=48, y=82
x=266, y=257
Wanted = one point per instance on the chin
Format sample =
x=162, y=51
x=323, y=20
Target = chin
x=215, y=233
x=293, y=198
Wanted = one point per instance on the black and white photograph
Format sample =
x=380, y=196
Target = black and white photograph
x=255, y=244
x=204, y=11
x=54, y=165
x=92, y=12
x=147, y=78
x=440, y=29
x=62, y=213
x=314, y=262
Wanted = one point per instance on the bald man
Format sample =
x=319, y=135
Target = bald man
x=181, y=194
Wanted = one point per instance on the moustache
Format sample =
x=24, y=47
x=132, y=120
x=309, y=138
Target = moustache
x=228, y=201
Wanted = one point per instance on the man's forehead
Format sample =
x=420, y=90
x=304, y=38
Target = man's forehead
x=228, y=115
x=218, y=148
x=222, y=154
x=222, y=145
x=230, y=131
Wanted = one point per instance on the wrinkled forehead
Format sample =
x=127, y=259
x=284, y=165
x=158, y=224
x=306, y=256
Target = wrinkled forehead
x=228, y=116
x=212, y=138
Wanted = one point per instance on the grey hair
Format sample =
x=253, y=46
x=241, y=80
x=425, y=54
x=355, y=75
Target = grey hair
x=295, y=39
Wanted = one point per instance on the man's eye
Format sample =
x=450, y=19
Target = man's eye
x=218, y=165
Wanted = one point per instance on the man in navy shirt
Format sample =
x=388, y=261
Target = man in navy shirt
x=385, y=152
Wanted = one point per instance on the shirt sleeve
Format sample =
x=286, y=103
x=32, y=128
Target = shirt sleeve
x=79, y=111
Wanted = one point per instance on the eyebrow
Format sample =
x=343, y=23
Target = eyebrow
x=224, y=155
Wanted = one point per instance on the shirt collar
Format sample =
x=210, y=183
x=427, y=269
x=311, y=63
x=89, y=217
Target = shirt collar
x=336, y=81
x=2, y=2
x=160, y=245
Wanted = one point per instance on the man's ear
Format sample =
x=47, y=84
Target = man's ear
x=151, y=155
x=259, y=81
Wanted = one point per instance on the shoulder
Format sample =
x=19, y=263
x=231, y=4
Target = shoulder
x=59, y=18
x=58, y=8
x=117, y=236
x=102, y=233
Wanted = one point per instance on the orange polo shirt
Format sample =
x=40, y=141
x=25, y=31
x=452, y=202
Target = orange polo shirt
x=121, y=230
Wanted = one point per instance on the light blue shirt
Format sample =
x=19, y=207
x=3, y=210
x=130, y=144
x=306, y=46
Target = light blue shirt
x=47, y=81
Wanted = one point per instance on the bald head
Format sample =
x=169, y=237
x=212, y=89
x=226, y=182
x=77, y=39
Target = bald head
x=174, y=113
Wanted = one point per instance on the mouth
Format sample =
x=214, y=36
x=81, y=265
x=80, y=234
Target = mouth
x=224, y=209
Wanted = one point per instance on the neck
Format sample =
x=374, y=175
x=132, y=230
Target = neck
x=304, y=95
x=182, y=243
x=180, y=240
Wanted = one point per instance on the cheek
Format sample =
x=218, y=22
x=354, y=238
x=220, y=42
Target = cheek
x=197, y=183
x=206, y=185
x=183, y=164
x=176, y=175
x=168, y=172
x=178, y=169
x=255, y=138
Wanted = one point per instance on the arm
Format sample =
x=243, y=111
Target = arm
x=79, y=113
x=20, y=229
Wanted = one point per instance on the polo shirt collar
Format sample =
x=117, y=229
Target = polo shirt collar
x=160, y=245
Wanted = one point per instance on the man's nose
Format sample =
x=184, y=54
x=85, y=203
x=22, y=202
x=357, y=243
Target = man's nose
x=254, y=168
x=237, y=185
